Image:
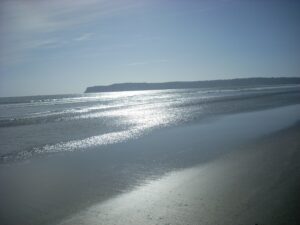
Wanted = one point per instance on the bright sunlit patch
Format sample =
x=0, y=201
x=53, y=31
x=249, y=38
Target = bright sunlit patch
x=156, y=201
x=129, y=114
x=140, y=118
x=103, y=139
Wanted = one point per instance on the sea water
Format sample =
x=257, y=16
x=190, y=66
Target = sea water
x=36, y=126
x=61, y=154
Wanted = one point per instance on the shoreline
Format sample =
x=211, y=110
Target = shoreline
x=66, y=184
x=256, y=184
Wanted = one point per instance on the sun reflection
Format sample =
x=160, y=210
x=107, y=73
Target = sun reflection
x=130, y=114
x=159, y=201
x=139, y=120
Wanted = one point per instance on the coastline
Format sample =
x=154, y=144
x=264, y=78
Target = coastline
x=227, y=83
x=67, y=184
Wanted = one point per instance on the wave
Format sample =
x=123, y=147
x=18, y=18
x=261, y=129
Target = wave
x=124, y=116
x=124, y=108
x=74, y=145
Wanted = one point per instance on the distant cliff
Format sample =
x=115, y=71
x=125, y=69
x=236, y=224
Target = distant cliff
x=195, y=84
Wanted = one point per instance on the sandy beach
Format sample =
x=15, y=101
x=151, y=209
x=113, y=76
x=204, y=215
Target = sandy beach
x=257, y=184
x=233, y=169
x=149, y=112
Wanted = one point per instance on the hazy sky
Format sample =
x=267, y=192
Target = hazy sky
x=63, y=46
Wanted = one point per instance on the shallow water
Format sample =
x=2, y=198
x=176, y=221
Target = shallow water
x=42, y=125
x=62, y=154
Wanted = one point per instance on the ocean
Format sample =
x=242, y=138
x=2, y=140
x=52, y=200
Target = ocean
x=35, y=126
x=60, y=154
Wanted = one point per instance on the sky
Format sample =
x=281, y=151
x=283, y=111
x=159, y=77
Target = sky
x=63, y=46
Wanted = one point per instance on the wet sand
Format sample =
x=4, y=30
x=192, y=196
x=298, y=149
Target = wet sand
x=236, y=169
x=257, y=184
